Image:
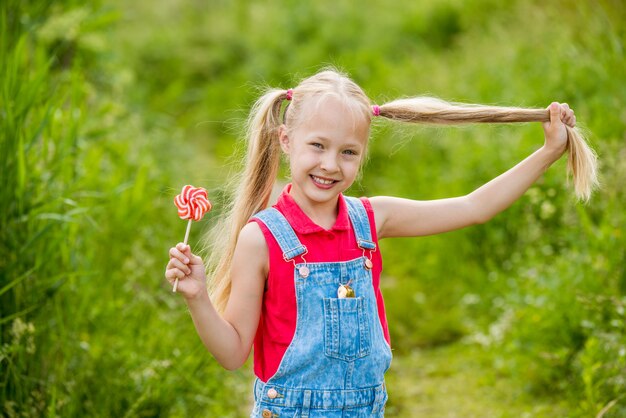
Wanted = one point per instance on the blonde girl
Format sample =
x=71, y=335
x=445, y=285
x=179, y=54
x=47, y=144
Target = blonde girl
x=300, y=281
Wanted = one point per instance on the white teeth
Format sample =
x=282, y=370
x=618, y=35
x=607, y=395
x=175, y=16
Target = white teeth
x=322, y=181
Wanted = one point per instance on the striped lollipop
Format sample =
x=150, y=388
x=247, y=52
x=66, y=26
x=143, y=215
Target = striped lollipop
x=192, y=204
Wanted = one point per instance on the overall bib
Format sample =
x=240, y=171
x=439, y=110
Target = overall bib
x=336, y=361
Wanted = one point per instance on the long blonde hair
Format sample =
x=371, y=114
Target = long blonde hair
x=263, y=154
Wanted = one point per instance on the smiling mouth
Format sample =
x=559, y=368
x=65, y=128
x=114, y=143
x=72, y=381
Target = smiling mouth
x=324, y=182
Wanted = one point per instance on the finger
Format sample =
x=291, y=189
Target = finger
x=566, y=111
x=170, y=275
x=555, y=113
x=176, y=253
x=565, y=115
x=569, y=116
x=191, y=258
x=184, y=248
x=196, y=260
x=176, y=263
x=173, y=274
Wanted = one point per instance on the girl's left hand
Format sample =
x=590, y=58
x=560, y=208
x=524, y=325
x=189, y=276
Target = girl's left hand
x=554, y=131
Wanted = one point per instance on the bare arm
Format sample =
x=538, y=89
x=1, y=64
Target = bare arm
x=397, y=217
x=403, y=217
x=229, y=337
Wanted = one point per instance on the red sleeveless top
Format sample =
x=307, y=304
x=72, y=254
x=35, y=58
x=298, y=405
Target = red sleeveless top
x=277, y=324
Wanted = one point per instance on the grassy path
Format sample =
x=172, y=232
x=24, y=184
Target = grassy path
x=458, y=381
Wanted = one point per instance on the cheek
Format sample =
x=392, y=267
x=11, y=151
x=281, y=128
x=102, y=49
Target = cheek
x=302, y=160
x=352, y=167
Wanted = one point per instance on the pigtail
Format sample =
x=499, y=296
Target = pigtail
x=253, y=190
x=582, y=160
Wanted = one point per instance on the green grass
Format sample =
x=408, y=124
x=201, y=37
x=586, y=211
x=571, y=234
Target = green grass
x=461, y=381
x=108, y=108
x=82, y=288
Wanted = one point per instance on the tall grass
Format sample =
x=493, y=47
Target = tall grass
x=85, y=218
x=37, y=213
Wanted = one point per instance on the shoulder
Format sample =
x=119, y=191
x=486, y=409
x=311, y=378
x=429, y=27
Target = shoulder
x=371, y=212
x=251, y=249
x=252, y=236
x=377, y=201
x=380, y=207
x=361, y=202
x=367, y=205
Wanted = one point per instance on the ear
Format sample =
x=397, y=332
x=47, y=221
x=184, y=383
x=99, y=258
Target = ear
x=283, y=138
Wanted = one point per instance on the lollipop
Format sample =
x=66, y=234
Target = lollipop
x=192, y=204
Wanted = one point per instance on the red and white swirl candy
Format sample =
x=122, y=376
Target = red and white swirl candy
x=192, y=203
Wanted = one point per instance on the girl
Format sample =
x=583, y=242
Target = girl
x=300, y=280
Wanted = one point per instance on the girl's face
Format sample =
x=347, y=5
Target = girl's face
x=325, y=150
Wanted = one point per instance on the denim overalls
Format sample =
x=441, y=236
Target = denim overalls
x=335, y=364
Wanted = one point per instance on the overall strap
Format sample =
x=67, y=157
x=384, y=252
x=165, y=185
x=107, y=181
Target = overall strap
x=360, y=223
x=283, y=232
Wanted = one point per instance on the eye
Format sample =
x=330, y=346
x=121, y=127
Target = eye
x=350, y=152
x=317, y=145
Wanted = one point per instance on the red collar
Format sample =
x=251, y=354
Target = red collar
x=299, y=220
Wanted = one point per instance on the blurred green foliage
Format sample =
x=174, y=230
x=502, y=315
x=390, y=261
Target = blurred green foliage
x=107, y=108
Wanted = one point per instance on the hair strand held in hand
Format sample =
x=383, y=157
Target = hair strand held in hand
x=582, y=160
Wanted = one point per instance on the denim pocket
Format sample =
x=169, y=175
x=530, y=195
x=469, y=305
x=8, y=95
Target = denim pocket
x=346, y=328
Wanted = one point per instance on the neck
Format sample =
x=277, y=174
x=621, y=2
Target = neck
x=322, y=213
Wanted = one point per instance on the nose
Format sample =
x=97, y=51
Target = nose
x=328, y=163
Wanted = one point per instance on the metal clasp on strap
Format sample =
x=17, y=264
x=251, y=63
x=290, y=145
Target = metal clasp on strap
x=301, y=251
x=369, y=246
x=365, y=244
x=294, y=252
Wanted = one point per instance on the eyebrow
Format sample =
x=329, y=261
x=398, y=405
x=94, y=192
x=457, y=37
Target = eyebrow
x=323, y=138
x=350, y=144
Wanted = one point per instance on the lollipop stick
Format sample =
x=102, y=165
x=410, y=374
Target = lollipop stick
x=187, y=233
x=184, y=242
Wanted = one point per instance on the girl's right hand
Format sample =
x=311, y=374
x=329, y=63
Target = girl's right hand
x=188, y=268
